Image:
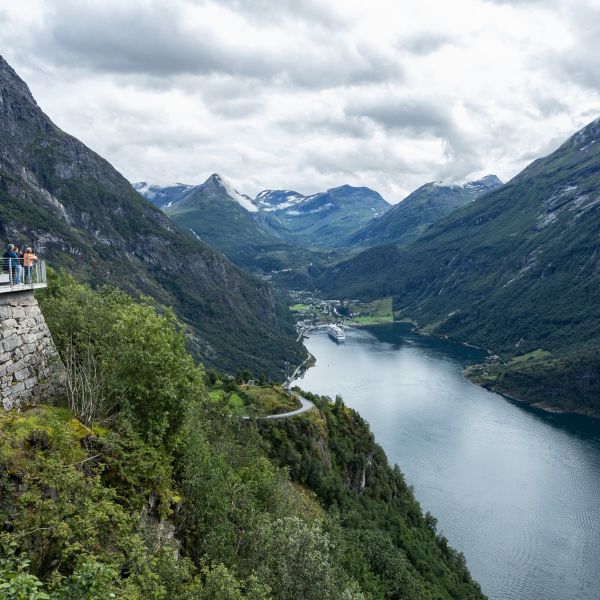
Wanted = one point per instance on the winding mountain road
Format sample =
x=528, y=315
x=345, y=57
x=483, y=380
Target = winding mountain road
x=305, y=406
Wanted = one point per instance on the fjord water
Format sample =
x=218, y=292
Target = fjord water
x=515, y=489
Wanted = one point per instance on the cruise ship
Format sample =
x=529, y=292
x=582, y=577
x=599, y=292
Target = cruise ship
x=336, y=333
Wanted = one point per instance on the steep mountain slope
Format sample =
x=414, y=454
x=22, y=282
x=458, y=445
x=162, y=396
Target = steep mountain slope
x=517, y=271
x=81, y=214
x=405, y=221
x=219, y=215
x=325, y=219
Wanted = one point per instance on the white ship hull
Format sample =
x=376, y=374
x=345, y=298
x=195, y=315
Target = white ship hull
x=336, y=333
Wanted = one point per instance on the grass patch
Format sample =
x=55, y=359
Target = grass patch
x=255, y=400
x=373, y=313
x=235, y=402
x=300, y=307
x=45, y=427
x=270, y=400
x=535, y=355
x=371, y=320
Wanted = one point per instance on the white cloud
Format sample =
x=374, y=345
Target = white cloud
x=310, y=95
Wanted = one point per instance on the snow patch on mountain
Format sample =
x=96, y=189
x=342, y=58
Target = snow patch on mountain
x=244, y=201
x=278, y=200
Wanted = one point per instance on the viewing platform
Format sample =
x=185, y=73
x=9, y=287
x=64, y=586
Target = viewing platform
x=29, y=280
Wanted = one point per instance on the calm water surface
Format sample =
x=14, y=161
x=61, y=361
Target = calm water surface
x=515, y=489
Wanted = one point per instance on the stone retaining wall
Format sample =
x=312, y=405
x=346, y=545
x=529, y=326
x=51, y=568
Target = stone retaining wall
x=30, y=369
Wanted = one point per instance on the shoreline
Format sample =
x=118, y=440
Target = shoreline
x=306, y=364
x=536, y=405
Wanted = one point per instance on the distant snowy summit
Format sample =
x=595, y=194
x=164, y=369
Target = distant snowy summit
x=423, y=207
x=338, y=217
x=275, y=200
x=219, y=181
x=477, y=187
x=289, y=203
x=483, y=185
x=283, y=203
x=170, y=195
x=322, y=219
x=162, y=196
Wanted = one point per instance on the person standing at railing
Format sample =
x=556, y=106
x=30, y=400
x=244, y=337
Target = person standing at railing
x=28, y=259
x=10, y=262
x=19, y=267
x=6, y=258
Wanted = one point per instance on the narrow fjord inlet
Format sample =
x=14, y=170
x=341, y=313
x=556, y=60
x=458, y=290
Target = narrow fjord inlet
x=516, y=489
x=300, y=300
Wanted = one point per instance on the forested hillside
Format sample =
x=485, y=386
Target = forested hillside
x=516, y=271
x=80, y=213
x=408, y=219
x=141, y=485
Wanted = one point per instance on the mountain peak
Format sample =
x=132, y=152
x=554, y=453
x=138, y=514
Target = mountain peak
x=589, y=134
x=409, y=218
x=18, y=108
x=346, y=187
x=216, y=180
x=487, y=182
x=278, y=200
x=352, y=194
x=491, y=178
x=10, y=79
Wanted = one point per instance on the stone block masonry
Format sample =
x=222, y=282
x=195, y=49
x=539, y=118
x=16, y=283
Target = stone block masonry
x=30, y=368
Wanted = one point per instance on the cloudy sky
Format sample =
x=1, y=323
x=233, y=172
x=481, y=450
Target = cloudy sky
x=310, y=94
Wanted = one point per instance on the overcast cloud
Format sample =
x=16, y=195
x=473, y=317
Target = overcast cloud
x=311, y=94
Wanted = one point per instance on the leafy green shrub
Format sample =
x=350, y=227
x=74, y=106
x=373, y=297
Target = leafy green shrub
x=16, y=583
x=147, y=375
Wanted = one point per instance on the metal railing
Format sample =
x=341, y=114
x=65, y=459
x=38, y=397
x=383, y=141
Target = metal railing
x=16, y=276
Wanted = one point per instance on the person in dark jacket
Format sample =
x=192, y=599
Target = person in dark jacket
x=10, y=262
x=6, y=258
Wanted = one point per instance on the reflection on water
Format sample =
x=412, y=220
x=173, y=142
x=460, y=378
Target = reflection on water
x=514, y=488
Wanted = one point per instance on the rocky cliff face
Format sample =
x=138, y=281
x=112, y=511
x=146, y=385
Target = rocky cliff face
x=82, y=215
